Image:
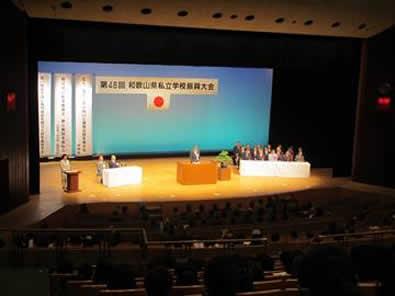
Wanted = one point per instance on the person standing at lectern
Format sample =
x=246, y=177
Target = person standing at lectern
x=100, y=166
x=195, y=154
x=64, y=167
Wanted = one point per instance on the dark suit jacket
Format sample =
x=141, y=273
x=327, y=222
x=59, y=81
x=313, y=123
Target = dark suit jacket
x=113, y=164
x=194, y=157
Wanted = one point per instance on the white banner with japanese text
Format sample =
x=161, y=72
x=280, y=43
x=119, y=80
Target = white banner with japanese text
x=145, y=85
x=44, y=113
x=63, y=113
x=83, y=114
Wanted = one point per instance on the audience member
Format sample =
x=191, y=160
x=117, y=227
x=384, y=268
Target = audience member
x=222, y=277
x=158, y=282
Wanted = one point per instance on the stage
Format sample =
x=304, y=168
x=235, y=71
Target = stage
x=160, y=185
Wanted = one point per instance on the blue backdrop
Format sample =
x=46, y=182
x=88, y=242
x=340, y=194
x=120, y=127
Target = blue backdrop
x=122, y=123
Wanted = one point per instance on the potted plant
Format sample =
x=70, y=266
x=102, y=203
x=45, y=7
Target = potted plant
x=224, y=171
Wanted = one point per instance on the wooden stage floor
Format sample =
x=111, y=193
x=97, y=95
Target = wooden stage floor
x=159, y=184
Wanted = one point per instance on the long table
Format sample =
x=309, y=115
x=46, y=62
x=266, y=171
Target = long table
x=122, y=176
x=286, y=169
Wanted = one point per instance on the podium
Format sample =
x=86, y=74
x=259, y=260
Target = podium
x=204, y=172
x=72, y=183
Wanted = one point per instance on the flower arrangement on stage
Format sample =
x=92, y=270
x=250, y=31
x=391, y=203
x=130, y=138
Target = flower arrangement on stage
x=224, y=159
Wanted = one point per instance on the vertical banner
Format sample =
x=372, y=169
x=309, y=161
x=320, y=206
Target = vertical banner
x=44, y=113
x=63, y=114
x=83, y=114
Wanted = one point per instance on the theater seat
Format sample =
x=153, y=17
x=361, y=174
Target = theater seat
x=125, y=292
x=368, y=288
x=274, y=292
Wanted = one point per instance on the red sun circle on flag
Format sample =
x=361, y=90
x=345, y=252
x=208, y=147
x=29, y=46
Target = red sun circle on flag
x=158, y=101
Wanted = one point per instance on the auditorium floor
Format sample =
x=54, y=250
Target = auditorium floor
x=159, y=185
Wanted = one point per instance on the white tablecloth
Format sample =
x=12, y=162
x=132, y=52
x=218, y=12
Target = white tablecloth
x=122, y=176
x=287, y=169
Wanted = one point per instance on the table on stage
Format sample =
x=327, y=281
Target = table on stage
x=204, y=172
x=122, y=176
x=286, y=169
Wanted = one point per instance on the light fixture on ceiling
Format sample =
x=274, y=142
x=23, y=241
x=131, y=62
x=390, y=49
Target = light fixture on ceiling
x=308, y=22
x=217, y=15
x=66, y=5
x=336, y=24
x=146, y=11
x=107, y=8
x=182, y=13
x=362, y=26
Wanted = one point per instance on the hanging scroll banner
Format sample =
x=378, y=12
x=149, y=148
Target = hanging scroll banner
x=83, y=114
x=44, y=113
x=63, y=114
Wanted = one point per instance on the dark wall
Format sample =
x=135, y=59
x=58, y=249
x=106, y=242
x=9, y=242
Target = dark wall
x=375, y=133
x=14, y=124
x=315, y=78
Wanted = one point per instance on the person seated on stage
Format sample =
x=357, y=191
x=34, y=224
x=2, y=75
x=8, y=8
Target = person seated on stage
x=269, y=148
x=289, y=154
x=64, y=167
x=280, y=153
x=260, y=155
x=273, y=156
x=246, y=153
x=266, y=153
x=299, y=157
x=236, y=153
x=113, y=164
x=255, y=152
x=195, y=154
x=100, y=166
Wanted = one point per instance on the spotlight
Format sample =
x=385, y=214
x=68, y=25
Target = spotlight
x=107, y=8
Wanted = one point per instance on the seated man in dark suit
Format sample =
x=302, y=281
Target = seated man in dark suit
x=113, y=164
x=246, y=153
x=236, y=153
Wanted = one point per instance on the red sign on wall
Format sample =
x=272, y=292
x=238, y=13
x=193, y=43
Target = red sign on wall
x=11, y=101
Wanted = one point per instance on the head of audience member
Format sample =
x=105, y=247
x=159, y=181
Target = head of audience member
x=300, y=151
x=269, y=147
x=158, y=282
x=64, y=157
x=242, y=149
x=113, y=158
x=222, y=276
x=327, y=271
x=101, y=158
x=121, y=277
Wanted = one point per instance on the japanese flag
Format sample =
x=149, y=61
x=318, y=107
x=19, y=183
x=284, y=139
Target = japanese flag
x=158, y=102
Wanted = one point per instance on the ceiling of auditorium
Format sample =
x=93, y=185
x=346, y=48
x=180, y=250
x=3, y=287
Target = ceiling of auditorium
x=348, y=18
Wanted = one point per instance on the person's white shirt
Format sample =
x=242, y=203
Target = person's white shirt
x=273, y=157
